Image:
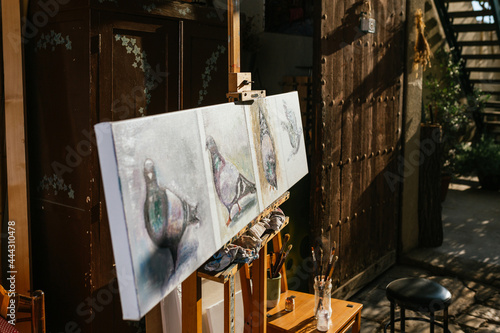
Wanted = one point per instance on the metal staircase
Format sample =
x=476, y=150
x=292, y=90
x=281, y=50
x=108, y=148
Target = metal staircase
x=472, y=29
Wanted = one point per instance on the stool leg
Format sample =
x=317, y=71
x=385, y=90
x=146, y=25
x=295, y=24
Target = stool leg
x=432, y=322
x=445, y=320
x=392, y=317
x=403, y=324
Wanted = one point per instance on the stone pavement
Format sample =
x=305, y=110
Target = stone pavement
x=467, y=264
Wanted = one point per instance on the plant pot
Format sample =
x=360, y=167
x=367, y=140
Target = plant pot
x=273, y=291
x=489, y=182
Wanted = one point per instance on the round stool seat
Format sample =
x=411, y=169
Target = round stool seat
x=418, y=294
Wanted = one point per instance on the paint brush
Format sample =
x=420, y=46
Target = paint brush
x=331, y=269
x=280, y=254
x=285, y=240
x=334, y=247
x=320, y=262
x=282, y=260
x=315, y=264
x=330, y=263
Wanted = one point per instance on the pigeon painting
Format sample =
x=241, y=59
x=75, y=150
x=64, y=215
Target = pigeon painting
x=267, y=151
x=166, y=214
x=293, y=130
x=231, y=186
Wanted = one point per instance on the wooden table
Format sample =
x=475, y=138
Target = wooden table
x=344, y=315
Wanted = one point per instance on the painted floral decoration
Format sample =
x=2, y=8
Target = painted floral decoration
x=56, y=184
x=211, y=66
x=141, y=62
x=149, y=8
x=51, y=40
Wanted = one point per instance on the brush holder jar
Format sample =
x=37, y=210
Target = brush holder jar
x=322, y=303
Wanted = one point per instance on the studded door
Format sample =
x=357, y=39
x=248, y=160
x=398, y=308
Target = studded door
x=355, y=193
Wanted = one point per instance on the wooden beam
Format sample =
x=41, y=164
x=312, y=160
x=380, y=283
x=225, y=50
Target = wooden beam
x=233, y=25
x=154, y=320
x=246, y=291
x=17, y=191
x=259, y=294
x=229, y=320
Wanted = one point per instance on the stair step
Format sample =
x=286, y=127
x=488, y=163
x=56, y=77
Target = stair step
x=472, y=13
x=492, y=93
x=491, y=122
x=491, y=113
x=485, y=81
x=483, y=69
x=478, y=43
x=473, y=27
x=494, y=130
x=492, y=105
x=481, y=56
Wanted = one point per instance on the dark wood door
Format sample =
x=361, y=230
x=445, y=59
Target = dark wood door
x=205, y=58
x=358, y=133
x=137, y=73
x=59, y=148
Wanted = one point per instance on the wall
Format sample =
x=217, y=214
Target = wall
x=412, y=117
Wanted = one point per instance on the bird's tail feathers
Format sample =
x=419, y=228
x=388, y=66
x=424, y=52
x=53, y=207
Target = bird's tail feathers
x=249, y=187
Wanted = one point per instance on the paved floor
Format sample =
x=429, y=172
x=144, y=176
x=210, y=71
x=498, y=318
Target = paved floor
x=468, y=264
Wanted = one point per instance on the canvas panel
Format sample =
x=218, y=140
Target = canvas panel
x=232, y=176
x=290, y=134
x=268, y=151
x=160, y=162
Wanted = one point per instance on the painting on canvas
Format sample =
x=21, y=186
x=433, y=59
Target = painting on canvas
x=169, y=220
x=268, y=152
x=232, y=176
x=289, y=133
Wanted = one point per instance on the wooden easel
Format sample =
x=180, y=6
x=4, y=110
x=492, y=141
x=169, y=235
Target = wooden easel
x=240, y=89
x=254, y=301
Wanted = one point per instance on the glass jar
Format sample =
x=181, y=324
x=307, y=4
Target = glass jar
x=290, y=304
x=322, y=303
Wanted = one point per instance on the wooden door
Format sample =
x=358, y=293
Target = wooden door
x=205, y=57
x=136, y=67
x=58, y=119
x=358, y=136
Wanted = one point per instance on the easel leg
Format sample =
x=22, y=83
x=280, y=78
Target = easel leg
x=277, y=245
x=229, y=305
x=259, y=297
x=247, y=297
x=191, y=304
x=154, y=320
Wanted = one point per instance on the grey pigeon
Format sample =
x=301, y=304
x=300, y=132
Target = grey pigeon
x=268, y=152
x=231, y=186
x=166, y=214
x=291, y=127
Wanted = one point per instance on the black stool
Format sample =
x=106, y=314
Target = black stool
x=419, y=295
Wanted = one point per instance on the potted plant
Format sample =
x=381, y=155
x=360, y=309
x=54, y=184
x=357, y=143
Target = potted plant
x=446, y=106
x=449, y=106
x=482, y=159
